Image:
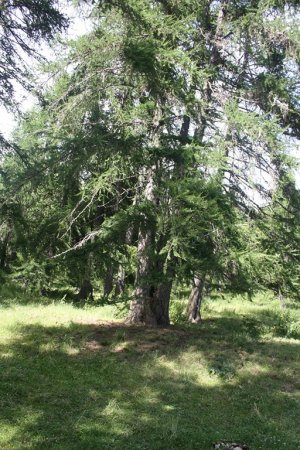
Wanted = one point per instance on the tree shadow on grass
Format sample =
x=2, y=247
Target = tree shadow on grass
x=111, y=386
x=15, y=295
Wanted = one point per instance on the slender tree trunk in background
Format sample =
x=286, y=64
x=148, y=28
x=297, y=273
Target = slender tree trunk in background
x=3, y=250
x=108, y=282
x=195, y=300
x=281, y=299
x=86, y=289
x=120, y=281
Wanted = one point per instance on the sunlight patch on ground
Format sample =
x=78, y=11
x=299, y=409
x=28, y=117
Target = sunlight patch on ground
x=73, y=378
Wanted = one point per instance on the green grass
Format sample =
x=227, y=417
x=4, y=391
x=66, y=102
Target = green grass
x=70, y=380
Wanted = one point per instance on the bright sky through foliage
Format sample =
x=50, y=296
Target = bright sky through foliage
x=8, y=120
x=78, y=27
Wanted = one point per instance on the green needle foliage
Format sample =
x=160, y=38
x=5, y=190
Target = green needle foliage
x=164, y=130
x=23, y=24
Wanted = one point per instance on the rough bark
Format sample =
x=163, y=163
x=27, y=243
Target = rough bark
x=86, y=289
x=162, y=302
x=142, y=308
x=154, y=309
x=195, y=300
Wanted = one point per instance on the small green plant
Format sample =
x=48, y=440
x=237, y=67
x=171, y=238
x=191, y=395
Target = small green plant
x=178, y=312
x=294, y=330
x=281, y=323
x=223, y=369
x=284, y=324
x=252, y=327
x=120, y=336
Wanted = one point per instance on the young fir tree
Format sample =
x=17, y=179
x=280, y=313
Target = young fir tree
x=277, y=234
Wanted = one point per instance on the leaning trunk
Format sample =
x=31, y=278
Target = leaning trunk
x=195, y=300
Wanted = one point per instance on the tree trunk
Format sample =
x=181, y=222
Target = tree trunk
x=108, y=281
x=120, y=281
x=151, y=303
x=86, y=289
x=3, y=250
x=141, y=307
x=162, y=303
x=281, y=299
x=130, y=238
x=195, y=300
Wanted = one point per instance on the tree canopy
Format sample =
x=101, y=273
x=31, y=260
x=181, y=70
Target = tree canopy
x=160, y=153
x=24, y=23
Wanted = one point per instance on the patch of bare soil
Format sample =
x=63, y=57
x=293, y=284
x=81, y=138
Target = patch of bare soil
x=289, y=387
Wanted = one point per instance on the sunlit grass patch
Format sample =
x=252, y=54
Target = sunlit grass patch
x=74, y=378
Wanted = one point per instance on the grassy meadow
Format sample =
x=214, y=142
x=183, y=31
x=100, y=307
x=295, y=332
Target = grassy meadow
x=78, y=378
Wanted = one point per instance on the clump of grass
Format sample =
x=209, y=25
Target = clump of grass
x=252, y=327
x=223, y=369
x=283, y=323
x=178, y=312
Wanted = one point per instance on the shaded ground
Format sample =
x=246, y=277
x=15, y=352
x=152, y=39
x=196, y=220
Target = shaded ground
x=91, y=384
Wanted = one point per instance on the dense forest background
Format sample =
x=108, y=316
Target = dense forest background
x=158, y=155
